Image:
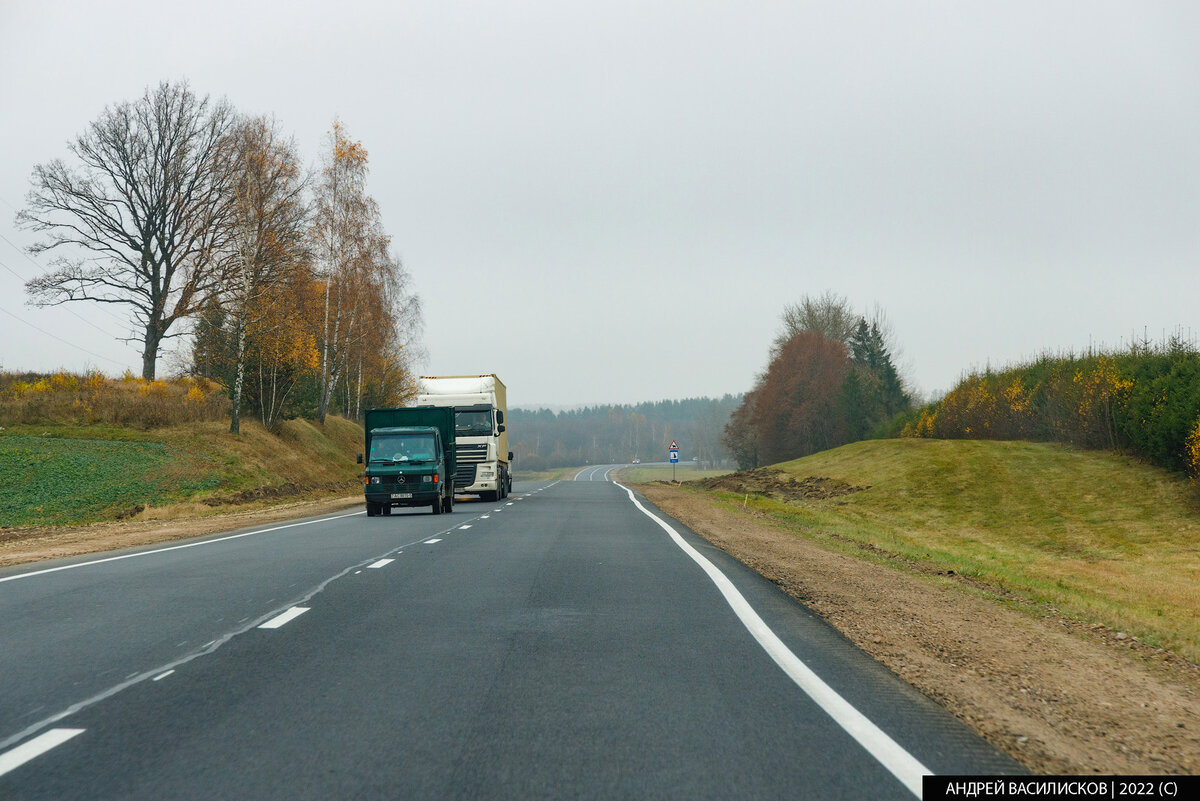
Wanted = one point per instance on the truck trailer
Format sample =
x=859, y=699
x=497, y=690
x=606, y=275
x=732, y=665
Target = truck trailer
x=410, y=459
x=481, y=441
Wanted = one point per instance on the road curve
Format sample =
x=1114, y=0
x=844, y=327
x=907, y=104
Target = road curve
x=569, y=642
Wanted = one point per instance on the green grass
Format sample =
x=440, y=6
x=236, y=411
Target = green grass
x=556, y=474
x=638, y=475
x=1101, y=537
x=67, y=473
x=61, y=481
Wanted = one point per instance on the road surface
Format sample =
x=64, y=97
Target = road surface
x=569, y=642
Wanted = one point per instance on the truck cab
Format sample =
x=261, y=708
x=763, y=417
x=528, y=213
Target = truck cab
x=408, y=465
x=479, y=403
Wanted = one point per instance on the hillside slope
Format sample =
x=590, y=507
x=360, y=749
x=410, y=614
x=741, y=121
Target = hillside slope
x=1104, y=537
x=65, y=474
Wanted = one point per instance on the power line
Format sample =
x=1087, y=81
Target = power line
x=23, y=279
x=31, y=260
x=68, y=311
x=60, y=339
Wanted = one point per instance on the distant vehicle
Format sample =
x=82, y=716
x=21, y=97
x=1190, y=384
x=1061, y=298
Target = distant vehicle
x=410, y=459
x=637, y=461
x=481, y=442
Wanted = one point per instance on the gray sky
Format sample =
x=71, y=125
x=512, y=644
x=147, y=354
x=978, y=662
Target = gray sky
x=612, y=201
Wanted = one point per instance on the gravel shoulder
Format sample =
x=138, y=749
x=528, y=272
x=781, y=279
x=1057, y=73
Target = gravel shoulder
x=1059, y=696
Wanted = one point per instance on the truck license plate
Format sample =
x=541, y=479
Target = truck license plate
x=401, y=494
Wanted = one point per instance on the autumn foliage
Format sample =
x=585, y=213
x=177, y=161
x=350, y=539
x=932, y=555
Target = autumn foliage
x=830, y=381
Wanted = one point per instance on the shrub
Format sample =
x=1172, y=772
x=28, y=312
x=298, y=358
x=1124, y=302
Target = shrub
x=1145, y=401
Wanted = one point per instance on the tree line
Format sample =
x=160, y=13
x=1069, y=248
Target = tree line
x=543, y=439
x=197, y=219
x=831, y=380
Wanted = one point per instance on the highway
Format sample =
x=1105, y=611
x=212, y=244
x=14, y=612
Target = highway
x=568, y=642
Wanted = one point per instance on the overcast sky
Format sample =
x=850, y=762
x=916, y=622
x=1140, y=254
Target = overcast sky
x=612, y=201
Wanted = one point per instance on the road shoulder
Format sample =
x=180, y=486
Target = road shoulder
x=34, y=544
x=1056, y=696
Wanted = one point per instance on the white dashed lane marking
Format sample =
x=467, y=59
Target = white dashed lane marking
x=381, y=563
x=431, y=542
x=34, y=748
x=286, y=617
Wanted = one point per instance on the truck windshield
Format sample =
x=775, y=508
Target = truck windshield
x=473, y=424
x=407, y=448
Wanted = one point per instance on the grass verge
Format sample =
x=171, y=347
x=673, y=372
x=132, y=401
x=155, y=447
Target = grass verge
x=640, y=475
x=1098, y=537
x=557, y=474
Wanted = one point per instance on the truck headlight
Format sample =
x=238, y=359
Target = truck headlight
x=374, y=479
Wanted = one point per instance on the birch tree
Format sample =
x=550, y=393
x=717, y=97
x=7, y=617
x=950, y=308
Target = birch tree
x=138, y=218
x=266, y=240
x=342, y=218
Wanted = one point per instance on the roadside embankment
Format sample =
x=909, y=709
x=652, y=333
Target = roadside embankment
x=71, y=489
x=1047, y=596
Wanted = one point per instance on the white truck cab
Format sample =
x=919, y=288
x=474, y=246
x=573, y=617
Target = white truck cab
x=480, y=405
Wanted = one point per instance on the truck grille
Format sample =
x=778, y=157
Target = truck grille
x=465, y=475
x=471, y=453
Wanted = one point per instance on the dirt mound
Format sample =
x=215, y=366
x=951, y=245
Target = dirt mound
x=780, y=485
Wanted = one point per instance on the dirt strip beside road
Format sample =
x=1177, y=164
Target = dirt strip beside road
x=1059, y=697
x=32, y=544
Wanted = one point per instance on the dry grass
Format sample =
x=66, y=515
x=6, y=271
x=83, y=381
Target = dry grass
x=93, y=398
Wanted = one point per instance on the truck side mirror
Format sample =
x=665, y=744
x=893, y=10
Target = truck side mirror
x=359, y=459
x=499, y=416
x=510, y=456
x=499, y=429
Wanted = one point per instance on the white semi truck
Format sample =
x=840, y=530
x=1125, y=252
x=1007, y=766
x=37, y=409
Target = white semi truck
x=480, y=405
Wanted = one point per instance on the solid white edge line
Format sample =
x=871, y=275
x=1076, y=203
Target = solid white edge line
x=33, y=573
x=380, y=563
x=36, y=747
x=286, y=617
x=901, y=764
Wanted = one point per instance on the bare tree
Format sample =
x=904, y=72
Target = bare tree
x=829, y=315
x=146, y=204
x=266, y=236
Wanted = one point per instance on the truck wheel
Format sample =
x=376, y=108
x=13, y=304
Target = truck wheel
x=448, y=505
x=385, y=508
x=436, y=506
x=372, y=509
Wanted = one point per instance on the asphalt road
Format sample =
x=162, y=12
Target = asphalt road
x=564, y=643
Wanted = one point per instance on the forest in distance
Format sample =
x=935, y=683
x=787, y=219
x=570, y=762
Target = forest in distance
x=543, y=439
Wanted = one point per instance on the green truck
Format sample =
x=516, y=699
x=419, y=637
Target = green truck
x=410, y=459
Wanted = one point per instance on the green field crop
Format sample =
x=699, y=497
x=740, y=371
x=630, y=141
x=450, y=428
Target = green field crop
x=54, y=481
